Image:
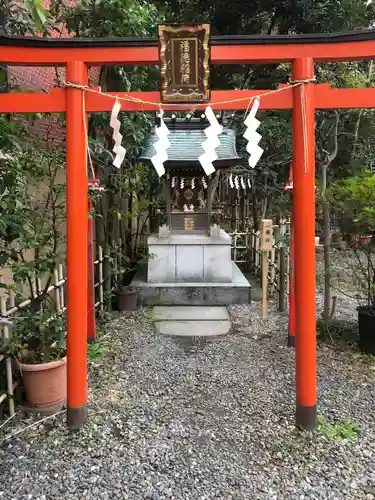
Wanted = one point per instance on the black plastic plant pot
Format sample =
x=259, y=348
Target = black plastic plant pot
x=127, y=300
x=366, y=326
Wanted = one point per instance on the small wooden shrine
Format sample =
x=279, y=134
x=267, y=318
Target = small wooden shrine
x=190, y=257
x=188, y=193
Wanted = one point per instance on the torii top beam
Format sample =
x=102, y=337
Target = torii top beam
x=351, y=46
x=34, y=51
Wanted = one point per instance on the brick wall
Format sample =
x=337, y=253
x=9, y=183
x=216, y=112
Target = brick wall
x=43, y=79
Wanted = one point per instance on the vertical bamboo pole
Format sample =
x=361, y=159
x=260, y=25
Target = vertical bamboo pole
x=266, y=245
x=272, y=270
x=61, y=286
x=292, y=292
x=101, y=289
x=282, y=278
x=77, y=236
x=264, y=284
x=57, y=291
x=8, y=362
x=257, y=241
x=91, y=319
x=304, y=241
x=235, y=246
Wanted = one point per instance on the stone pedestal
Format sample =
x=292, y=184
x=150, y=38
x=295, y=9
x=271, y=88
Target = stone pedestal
x=190, y=258
x=191, y=269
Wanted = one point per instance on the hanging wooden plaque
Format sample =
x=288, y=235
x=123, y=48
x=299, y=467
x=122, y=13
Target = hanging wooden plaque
x=184, y=53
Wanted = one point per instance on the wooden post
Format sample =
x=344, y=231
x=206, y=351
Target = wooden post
x=77, y=237
x=304, y=242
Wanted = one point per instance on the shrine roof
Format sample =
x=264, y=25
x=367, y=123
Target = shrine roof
x=186, y=140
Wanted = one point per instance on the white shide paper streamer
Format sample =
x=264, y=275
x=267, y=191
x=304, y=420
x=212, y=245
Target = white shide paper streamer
x=161, y=147
x=211, y=143
x=117, y=137
x=252, y=136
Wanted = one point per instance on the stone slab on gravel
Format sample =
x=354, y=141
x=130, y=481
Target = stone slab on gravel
x=189, y=313
x=193, y=328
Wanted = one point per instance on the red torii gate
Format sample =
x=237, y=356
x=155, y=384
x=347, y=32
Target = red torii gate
x=300, y=50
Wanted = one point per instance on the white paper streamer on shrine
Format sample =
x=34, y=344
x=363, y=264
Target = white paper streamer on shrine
x=249, y=182
x=161, y=146
x=204, y=183
x=211, y=143
x=173, y=183
x=236, y=183
x=117, y=137
x=193, y=183
x=252, y=136
x=243, y=185
x=182, y=183
x=231, y=181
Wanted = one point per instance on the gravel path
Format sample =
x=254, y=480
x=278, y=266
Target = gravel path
x=201, y=420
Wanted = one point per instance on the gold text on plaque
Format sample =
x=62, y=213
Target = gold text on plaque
x=189, y=224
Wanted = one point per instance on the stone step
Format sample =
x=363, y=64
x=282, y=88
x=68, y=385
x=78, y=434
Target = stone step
x=191, y=321
x=190, y=313
x=193, y=328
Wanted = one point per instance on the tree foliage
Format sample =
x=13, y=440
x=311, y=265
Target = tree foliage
x=32, y=204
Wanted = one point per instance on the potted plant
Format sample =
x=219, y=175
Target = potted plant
x=127, y=298
x=355, y=198
x=37, y=343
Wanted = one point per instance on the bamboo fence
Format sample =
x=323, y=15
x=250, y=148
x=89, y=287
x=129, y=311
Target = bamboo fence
x=9, y=309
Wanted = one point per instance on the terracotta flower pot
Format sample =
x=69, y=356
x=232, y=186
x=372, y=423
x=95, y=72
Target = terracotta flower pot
x=45, y=383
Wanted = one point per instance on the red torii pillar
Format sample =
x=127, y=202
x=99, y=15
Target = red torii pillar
x=304, y=241
x=77, y=237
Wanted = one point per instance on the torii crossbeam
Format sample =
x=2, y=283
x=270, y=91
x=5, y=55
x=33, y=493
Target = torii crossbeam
x=78, y=54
